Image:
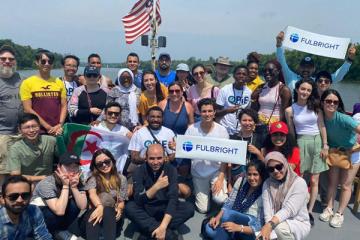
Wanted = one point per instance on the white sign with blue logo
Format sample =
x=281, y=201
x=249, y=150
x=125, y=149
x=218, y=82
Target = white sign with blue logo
x=314, y=43
x=213, y=149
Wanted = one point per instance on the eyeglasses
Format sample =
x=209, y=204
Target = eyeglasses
x=270, y=70
x=278, y=167
x=171, y=91
x=105, y=163
x=116, y=114
x=329, y=101
x=3, y=59
x=326, y=81
x=34, y=127
x=46, y=61
x=92, y=75
x=14, y=196
x=201, y=73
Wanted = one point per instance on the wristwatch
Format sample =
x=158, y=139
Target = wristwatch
x=272, y=224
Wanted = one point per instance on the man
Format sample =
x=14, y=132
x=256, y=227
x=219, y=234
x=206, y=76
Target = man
x=156, y=210
x=323, y=81
x=94, y=60
x=132, y=63
x=45, y=96
x=151, y=134
x=10, y=104
x=18, y=219
x=221, y=76
x=207, y=173
x=33, y=155
x=307, y=66
x=164, y=74
x=232, y=98
x=70, y=64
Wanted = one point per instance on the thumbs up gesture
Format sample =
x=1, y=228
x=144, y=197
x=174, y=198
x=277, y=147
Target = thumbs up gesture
x=162, y=181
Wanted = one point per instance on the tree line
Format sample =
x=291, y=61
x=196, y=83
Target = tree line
x=25, y=60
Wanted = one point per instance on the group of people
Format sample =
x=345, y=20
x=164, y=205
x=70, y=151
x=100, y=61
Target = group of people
x=292, y=122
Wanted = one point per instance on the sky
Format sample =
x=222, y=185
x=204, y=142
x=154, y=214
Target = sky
x=194, y=28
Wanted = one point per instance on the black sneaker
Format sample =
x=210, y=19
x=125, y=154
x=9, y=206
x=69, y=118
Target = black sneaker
x=312, y=221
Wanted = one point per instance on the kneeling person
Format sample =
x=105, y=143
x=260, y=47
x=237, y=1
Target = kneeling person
x=156, y=209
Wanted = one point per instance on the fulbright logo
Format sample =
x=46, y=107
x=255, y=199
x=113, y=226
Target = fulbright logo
x=294, y=37
x=187, y=146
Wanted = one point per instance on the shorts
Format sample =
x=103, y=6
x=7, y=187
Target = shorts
x=5, y=142
x=355, y=157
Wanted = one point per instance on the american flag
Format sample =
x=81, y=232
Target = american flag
x=138, y=21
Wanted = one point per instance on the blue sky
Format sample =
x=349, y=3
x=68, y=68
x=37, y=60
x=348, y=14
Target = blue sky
x=200, y=28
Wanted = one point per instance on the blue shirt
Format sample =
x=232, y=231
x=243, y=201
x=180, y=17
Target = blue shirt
x=166, y=80
x=291, y=78
x=31, y=224
x=138, y=78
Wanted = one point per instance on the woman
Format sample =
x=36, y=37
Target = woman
x=153, y=92
x=280, y=140
x=201, y=89
x=254, y=80
x=183, y=77
x=341, y=133
x=284, y=197
x=242, y=213
x=107, y=191
x=127, y=95
x=273, y=98
x=87, y=101
x=305, y=119
x=248, y=119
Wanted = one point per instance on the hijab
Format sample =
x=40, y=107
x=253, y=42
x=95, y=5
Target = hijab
x=279, y=188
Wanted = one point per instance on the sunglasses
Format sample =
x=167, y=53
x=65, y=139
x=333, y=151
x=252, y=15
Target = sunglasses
x=105, y=163
x=201, y=73
x=278, y=167
x=46, y=61
x=326, y=81
x=329, y=101
x=92, y=75
x=3, y=59
x=270, y=70
x=116, y=114
x=14, y=196
x=174, y=91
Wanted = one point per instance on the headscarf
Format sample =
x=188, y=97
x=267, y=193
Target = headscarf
x=279, y=188
x=133, y=115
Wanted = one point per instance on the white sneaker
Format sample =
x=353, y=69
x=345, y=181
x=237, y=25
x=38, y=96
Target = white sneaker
x=337, y=220
x=326, y=215
x=65, y=235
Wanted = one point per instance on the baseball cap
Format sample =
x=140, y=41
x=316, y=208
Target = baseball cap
x=91, y=70
x=182, y=67
x=164, y=55
x=279, y=127
x=69, y=158
x=307, y=61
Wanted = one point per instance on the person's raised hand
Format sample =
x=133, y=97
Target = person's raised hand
x=280, y=39
x=162, y=181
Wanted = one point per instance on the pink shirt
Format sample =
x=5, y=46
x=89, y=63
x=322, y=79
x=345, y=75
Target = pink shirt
x=193, y=96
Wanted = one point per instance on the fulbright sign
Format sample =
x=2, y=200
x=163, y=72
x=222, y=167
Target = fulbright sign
x=314, y=43
x=213, y=149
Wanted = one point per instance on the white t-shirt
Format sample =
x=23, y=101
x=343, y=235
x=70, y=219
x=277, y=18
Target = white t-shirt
x=118, y=128
x=228, y=97
x=205, y=168
x=142, y=139
x=70, y=87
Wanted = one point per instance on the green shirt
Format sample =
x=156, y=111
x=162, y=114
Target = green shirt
x=220, y=83
x=33, y=159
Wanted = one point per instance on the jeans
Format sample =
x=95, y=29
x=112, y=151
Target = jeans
x=220, y=233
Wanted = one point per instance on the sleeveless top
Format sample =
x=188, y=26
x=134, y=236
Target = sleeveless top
x=305, y=120
x=178, y=125
x=270, y=102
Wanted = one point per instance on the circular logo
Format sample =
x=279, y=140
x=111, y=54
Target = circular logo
x=294, y=37
x=187, y=146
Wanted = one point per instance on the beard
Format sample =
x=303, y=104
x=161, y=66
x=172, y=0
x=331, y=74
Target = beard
x=16, y=210
x=7, y=72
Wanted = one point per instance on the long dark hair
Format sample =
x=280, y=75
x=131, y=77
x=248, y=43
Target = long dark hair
x=260, y=167
x=340, y=107
x=159, y=93
x=312, y=102
x=286, y=149
x=101, y=185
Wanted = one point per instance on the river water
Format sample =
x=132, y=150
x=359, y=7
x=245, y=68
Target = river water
x=350, y=91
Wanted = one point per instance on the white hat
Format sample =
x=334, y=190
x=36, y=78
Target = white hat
x=182, y=67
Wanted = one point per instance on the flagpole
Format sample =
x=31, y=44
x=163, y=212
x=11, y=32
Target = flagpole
x=153, y=41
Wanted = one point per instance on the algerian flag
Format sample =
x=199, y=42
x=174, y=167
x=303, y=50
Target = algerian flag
x=84, y=140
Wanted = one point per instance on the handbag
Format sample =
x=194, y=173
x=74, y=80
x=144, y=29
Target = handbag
x=339, y=157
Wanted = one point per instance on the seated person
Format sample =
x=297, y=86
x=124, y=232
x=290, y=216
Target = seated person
x=242, y=214
x=61, y=196
x=107, y=190
x=18, y=219
x=285, y=198
x=156, y=210
x=33, y=155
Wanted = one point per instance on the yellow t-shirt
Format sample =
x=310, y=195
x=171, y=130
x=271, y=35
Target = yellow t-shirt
x=45, y=96
x=255, y=83
x=146, y=102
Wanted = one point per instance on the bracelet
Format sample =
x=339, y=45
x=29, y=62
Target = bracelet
x=65, y=187
x=241, y=228
x=98, y=204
